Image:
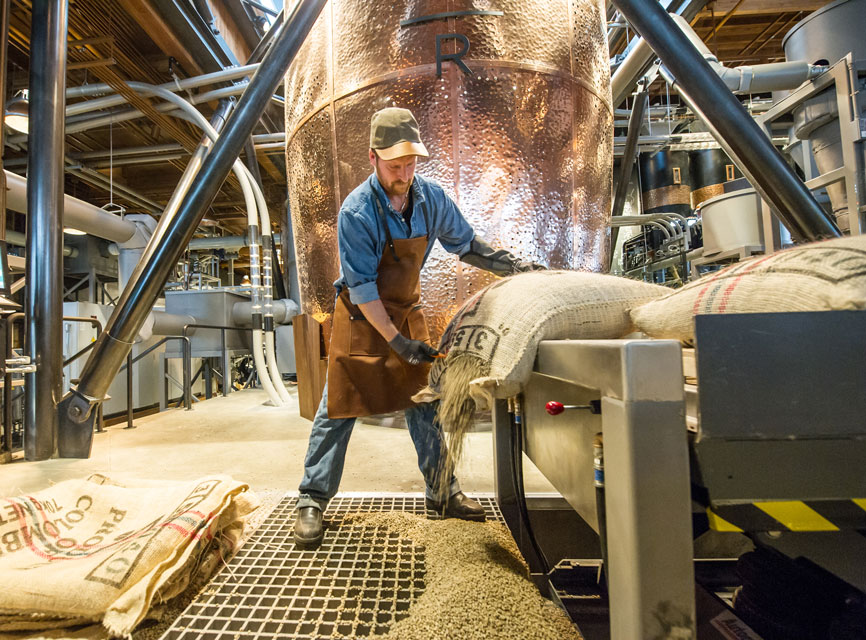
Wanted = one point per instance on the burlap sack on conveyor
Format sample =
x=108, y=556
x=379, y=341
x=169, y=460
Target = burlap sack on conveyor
x=491, y=342
x=820, y=276
x=86, y=551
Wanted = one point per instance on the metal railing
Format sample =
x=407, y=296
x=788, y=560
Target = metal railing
x=226, y=366
x=129, y=372
x=9, y=399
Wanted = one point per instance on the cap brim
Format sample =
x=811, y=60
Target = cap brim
x=403, y=149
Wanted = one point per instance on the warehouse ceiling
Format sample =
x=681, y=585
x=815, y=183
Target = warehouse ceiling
x=135, y=164
x=743, y=31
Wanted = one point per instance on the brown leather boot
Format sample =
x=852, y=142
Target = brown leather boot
x=458, y=506
x=308, y=528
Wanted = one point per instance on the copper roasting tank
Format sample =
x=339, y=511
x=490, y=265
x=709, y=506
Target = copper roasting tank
x=519, y=129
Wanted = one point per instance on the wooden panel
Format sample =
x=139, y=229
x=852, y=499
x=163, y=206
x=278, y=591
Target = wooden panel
x=311, y=364
x=721, y=7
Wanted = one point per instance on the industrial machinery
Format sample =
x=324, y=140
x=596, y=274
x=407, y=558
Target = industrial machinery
x=754, y=439
x=814, y=117
x=652, y=445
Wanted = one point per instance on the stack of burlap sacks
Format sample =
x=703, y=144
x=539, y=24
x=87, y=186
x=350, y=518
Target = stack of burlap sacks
x=95, y=552
x=492, y=341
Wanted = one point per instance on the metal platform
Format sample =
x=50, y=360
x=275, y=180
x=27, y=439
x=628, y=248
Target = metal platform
x=358, y=583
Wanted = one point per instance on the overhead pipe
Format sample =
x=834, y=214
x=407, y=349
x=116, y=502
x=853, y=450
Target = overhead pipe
x=109, y=353
x=171, y=324
x=635, y=64
x=743, y=140
x=18, y=239
x=263, y=346
x=224, y=242
x=761, y=78
x=261, y=140
x=84, y=124
x=105, y=182
x=639, y=55
x=76, y=213
x=43, y=302
x=88, y=90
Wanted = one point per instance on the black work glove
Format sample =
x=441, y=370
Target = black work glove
x=412, y=351
x=497, y=261
x=522, y=266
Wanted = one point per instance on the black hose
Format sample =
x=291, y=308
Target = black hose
x=517, y=477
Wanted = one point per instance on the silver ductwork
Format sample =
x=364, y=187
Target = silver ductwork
x=224, y=242
x=827, y=35
x=760, y=78
x=132, y=250
x=76, y=213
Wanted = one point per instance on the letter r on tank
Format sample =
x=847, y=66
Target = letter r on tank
x=456, y=57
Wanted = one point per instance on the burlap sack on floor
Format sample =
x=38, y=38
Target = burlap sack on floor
x=491, y=342
x=94, y=551
x=820, y=276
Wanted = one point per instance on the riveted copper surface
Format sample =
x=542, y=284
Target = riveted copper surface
x=310, y=166
x=523, y=143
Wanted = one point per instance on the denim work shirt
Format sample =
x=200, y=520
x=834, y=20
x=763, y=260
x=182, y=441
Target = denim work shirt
x=361, y=238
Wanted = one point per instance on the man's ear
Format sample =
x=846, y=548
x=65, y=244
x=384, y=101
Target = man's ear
x=373, y=158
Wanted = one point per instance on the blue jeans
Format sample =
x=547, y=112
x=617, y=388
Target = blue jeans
x=329, y=439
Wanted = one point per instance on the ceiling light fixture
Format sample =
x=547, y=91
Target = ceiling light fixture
x=18, y=113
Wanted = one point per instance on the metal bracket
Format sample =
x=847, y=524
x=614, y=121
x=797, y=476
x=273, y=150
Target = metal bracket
x=77, y=421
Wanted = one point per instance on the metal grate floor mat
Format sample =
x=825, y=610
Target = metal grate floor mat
x=357, y=584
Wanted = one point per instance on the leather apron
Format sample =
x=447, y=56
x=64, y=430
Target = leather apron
x=365, y=376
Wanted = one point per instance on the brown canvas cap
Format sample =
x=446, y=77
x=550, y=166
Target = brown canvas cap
x=394, y=133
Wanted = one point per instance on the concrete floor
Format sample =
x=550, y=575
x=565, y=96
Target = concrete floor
x=261, y=445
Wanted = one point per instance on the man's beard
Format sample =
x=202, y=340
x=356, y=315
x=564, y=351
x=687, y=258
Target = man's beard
x=399, y=188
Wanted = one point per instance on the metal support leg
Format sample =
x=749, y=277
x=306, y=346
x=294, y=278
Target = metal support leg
x=7, y=396
x=91, y=285
x=226, y=365
x=187, y=376
x=163, y=400
x=208, y=378
x=650, y=570
x=43, y=302
x=129, y=400
x=646, y=473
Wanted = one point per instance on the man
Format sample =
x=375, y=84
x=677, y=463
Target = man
x=380, y=352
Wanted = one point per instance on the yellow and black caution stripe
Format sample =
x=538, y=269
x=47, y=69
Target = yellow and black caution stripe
x=789, y=515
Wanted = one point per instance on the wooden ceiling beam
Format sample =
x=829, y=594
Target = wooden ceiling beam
x=728, y=16
x=161, y=33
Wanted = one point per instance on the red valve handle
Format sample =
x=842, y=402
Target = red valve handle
x=554, y=408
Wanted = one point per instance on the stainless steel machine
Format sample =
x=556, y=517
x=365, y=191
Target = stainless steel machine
x=757, y=432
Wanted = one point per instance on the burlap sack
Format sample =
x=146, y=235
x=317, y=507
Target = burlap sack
x=491, y=342
x=820, y=276
x=494, y=336
x=94, y=551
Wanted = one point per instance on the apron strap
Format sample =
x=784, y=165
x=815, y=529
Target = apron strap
x=387, y=231
x=426, y=219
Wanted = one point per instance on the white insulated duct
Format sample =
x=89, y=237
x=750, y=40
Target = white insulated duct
x=263, y=353
x=76, y=213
